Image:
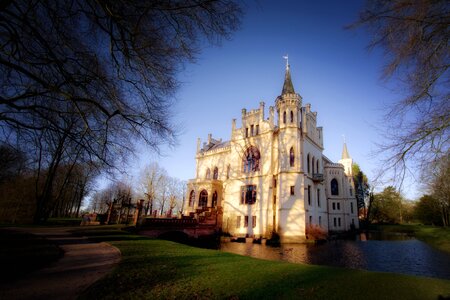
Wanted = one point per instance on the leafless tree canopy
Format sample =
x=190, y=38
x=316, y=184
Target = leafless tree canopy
x=81, y=80
x=415, y=36
x=101, y=69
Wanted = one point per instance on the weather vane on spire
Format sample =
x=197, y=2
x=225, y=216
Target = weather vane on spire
x=286, y=57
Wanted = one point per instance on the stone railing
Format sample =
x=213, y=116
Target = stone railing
x=317, y=177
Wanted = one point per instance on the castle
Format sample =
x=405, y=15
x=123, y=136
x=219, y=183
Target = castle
x=272, y=176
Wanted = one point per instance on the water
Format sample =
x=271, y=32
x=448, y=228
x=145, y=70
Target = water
x=396, y=253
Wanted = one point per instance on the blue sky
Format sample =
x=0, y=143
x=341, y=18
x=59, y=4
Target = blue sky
x=330, y=66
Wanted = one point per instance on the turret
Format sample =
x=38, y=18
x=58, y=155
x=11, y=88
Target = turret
x=346, y=160
x=288, y=104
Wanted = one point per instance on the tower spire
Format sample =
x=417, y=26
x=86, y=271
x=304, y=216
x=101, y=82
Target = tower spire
x=288, y=87
x=345, y=154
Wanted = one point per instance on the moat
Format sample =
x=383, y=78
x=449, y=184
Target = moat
x=397, y=253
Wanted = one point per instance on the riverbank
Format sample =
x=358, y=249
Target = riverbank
x=157, y=269
x=438, y=237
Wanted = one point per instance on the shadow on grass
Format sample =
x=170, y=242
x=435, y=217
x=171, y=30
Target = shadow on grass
x=157, y=269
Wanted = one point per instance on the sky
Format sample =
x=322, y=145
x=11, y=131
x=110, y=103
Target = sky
x=331, y=69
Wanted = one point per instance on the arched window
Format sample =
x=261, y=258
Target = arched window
x=307, y=163
x=191, y=198
x=334, y=187
x=291, y=157
x=312, y=164
x=214, y=199
x=317, y=166
x=208, y=174
x=228, y=171
x=216, y=173
x=203, y=199
x=284, y=118
x=292, y=116
x=251, y=160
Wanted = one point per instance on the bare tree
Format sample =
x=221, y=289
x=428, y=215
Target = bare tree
x=415, y=37
x=151, y=177
x=439, y=186
x=81, y=80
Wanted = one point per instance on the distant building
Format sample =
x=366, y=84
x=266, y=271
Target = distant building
x=272, y=175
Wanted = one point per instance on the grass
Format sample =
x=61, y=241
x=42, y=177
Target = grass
x=438, y=237
x=22, y=253
x=157, y=269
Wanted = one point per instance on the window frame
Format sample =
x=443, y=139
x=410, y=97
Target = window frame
x=249, y=194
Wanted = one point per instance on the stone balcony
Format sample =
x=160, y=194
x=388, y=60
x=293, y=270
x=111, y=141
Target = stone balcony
x=317, y=177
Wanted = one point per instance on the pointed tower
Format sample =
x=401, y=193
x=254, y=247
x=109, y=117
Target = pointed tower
x=288, y=104
x=288, y=87
x=346, y=160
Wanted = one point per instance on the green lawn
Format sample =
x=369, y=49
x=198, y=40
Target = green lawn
x=156, y=269
x=438, y=237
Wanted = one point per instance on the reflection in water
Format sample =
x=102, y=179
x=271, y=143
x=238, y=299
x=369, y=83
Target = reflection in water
x=400, y=254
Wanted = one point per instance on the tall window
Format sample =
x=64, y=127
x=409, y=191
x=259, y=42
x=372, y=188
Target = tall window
x=238, y=222
x=284, y=118
x=246, y=221
x=253, y=221
x=310, y=220
x=292, y=190
x=228, y=171
x=291, y=157
x=334, y=222
x=248, y=194
x=251, y=160
x=307, y=163
x=312, y=164
x=208, y=174
x=309, y=195
x=216, y=173
x=334, y=187
x=191, y=198
x=320, y=220
x=339, y=222
x=351, y=207
x=252, y=132
x=203, y=199
x=257, y=129
x=317, y=166
x=214, y=199
x=318, y=197
x=292, y=116
x=246, y=132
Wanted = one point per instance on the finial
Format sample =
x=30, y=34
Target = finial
x=286, y=57
x=343, y=138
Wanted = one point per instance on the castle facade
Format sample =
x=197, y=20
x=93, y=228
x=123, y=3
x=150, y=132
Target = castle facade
x=272, y=176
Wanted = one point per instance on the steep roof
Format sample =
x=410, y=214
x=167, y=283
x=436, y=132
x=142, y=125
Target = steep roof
x=288, y=87
x=345, y=152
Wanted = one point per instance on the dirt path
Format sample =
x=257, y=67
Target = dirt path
x=83, y=263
